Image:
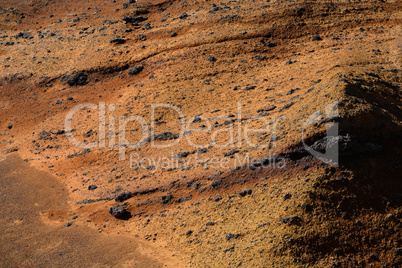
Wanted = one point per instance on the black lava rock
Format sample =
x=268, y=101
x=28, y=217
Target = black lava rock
x=134, y=19
x=189, y=233
x=135, y=70
x=182, y=155
x=92, y=187
x=215, y=9
x=230, y=236
x=217, y=198
x=245, y=192
x=287, y=196
x=162, y=137
x=231, y=249
x=79, y=79
x=259, y=57
x=184, y=15
x=216, y=184
x=235, y=151
x=306, y=207
x=211, y=58
x=117, y=41
x=270, y=44
x=123, y=197
x=292, y=220
x=287, y=106
x=120, y=213
x=166, y=198
x=183, y=199
x=250, y=87
x=300, y=11
x=316, y=38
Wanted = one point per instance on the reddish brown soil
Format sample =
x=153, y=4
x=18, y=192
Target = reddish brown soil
x=357, y=63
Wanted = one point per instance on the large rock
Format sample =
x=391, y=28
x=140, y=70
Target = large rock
x=79, y=79
x=135, y=70
x=120, y=213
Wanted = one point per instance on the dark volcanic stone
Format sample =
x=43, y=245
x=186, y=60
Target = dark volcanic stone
x=292, y=220
x=217, y=198
x=166, y=198
x=230, y=236
x=216, y=184
x=259, y=57
x=306, y=207
x=23, y=35
x=92, y=187
x=135, y=70
x=287, y=106
x=183, y=199
x=270, y=44
x=85, y=151
x=250, y=87
x=202, y=151
x=123, y=197
x=235, y=151
x=231, y=249
x=163, y=137
x=215, y=9
x=189, y=232
x=79, y=79
x=269, y=108
x=119, y=213
x=287, y=196
x=60, y=132
x=182, y=154
x=183, y=15
x=117, y=41
x=134, y=19
x=300, y=11
x=211, y=58
x=316, y=38
x=245, y=192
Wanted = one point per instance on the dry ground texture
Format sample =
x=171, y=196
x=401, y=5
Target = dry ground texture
x=246, y=198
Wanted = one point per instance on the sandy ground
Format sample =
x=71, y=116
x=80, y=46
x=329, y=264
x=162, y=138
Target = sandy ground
x=29, y=242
